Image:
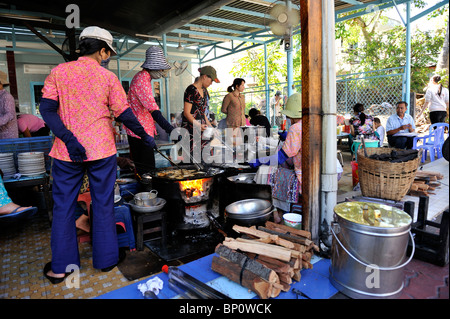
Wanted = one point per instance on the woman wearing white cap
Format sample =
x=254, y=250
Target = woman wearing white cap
x=143, y=104
x=76, y=103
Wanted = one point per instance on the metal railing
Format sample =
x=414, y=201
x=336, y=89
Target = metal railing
x=378, y=90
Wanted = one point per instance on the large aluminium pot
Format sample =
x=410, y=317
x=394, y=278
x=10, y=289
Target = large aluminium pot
x=368, y=250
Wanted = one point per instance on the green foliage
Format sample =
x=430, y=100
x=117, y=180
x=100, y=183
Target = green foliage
x=252, y=63
x=371, y=49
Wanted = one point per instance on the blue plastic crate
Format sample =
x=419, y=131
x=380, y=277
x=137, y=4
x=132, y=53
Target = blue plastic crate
x=28, y=144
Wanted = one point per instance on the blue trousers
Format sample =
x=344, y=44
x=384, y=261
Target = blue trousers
x=67, y=179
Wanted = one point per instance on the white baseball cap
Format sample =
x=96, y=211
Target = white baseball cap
x=99, y=34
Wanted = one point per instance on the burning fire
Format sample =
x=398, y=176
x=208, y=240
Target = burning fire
x=192, y=187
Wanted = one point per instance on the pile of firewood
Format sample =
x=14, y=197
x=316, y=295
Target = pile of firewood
x=265, y=260
x=425, y=183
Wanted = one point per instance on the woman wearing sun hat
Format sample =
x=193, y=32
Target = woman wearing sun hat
x=196, y=98
x=143, y=104
x=77, y=99
x=291, y=156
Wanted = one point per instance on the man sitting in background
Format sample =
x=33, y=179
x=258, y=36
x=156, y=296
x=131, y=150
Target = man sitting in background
x=399, y=128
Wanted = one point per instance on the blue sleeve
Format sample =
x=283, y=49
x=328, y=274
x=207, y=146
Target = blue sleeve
x=49, y=111
x=159, y=118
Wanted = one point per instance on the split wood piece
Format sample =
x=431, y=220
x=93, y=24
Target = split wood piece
x=293, y=238
x=431, y=174
x=420, y=186
x=435, y=185
x=295, y=263
x=291, y=230
x=307, y=256
x=285, y=233
x=268, y=250
x=418, y=193
x=247, y=279
x=272, y=263
x=283, y=270
x=295, y=253
x=307, y=265
x=297, y=275
x=244, y=261
x=264, y=236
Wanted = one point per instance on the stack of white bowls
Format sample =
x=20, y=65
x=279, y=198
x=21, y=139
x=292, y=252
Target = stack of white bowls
x=7, y=164
x=31, y=163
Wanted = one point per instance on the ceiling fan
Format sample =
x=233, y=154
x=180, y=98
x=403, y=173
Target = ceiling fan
x=179, y=47
x=280, y=19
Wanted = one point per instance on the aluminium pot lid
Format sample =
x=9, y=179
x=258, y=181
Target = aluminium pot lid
x=372, y=214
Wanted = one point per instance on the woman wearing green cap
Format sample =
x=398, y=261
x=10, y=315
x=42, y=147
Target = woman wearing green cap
x=196, y=104
x=287, y=189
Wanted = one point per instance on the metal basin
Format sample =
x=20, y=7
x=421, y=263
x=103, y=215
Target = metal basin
x=251, y=220
x=248, y=208
x=160, y=202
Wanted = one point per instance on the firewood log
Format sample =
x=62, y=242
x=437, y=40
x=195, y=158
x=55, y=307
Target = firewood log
x=269, y=250
x=264, y=235
x=293, y=238
x=286, y=229
x=247, y=279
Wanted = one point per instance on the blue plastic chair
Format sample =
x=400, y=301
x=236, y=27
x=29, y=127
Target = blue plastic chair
x=435, y=126
x=431, y=143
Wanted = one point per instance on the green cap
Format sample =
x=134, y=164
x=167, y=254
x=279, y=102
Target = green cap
x=293, y=107
x=209, y=71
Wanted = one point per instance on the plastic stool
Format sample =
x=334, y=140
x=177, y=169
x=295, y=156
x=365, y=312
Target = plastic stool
x=123, y=217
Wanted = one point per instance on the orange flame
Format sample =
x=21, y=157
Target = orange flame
x=196, y=186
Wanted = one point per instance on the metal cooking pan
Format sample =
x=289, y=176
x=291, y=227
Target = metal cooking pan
x=210, y=172
x=248, y=208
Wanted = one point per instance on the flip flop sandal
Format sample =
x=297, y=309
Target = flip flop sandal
x=15, y=214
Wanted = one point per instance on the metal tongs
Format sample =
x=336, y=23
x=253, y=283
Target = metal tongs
x=167, y=158
x=198, y=166
x=190, y=287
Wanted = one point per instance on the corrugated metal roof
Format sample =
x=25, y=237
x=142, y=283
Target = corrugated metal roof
x=189, y=21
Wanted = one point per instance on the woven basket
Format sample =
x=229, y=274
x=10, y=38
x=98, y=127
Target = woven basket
x=380, y=179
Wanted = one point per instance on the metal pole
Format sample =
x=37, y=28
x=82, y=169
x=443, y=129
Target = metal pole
x=166, y=82
x=329, y=182
x=290, y=70
x=290, y=60
x=266, y=79
x=408, y=54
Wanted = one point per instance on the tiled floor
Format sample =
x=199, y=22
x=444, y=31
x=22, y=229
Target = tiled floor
x=24, y=251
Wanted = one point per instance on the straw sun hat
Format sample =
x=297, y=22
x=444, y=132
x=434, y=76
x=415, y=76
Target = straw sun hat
x=293, y=107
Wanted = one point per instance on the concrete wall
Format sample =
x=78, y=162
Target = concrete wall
x=177, y=84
